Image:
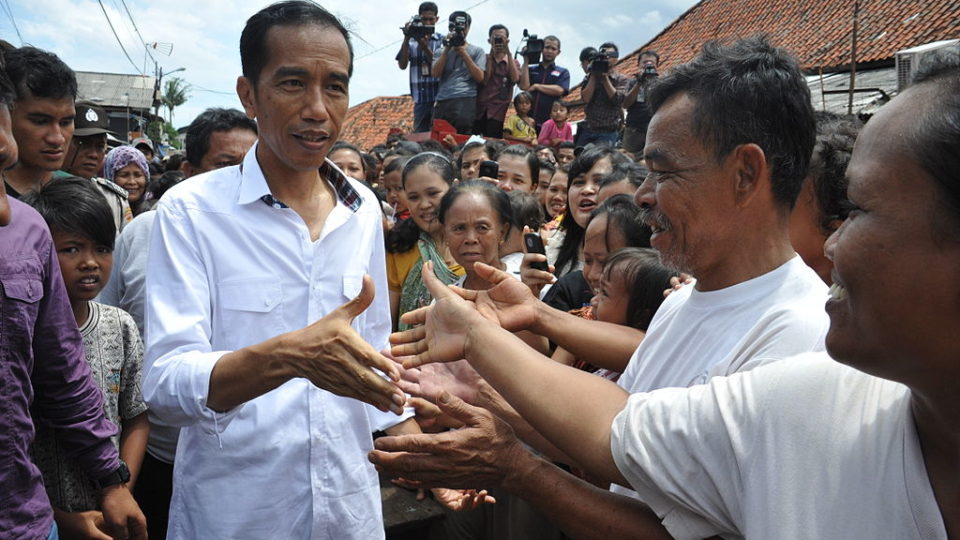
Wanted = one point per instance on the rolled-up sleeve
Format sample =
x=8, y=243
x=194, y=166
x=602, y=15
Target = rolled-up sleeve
x=179, y=358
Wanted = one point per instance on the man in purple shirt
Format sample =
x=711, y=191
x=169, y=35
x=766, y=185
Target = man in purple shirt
x=42, y=366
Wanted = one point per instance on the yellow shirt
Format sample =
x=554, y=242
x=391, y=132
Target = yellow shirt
x=519, y=129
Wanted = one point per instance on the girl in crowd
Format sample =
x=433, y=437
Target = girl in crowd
x=349, y=159
x=426, y=178
x=521, y=127
x=470, y=157
x=392, y=182
x=583, y=184
x=126, y=167
x=476, y=218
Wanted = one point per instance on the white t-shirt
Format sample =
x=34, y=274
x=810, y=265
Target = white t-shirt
x=695, y=335
x=802, y=449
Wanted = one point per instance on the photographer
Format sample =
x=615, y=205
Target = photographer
x=550, y=81
x=499, y=77
x=603, y=93
x=638, y=115
x=420, y=45
x=459, y=71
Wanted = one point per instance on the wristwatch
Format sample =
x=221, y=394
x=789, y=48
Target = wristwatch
x=119, y=476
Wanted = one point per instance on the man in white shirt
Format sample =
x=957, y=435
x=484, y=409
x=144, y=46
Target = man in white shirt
x=258, y=334
x=724, y=175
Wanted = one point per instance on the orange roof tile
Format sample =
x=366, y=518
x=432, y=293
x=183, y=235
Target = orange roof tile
x=818, y=32
x=368, y=123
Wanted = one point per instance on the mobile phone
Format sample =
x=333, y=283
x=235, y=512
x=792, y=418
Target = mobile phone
x=535, y=245
x=490, y=169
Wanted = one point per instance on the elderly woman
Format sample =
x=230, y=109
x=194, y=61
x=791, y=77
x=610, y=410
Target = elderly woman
x=126, y=167
x=863, y=443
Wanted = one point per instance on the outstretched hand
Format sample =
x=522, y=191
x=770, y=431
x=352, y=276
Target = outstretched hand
x=484, y=453
x=445, y=326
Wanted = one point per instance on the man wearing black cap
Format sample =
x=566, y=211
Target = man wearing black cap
x=85, y=156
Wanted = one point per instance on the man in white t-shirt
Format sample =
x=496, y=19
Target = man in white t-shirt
x=804, y=448
x=724, y=175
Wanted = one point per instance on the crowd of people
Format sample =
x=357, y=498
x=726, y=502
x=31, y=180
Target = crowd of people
x=701, y=319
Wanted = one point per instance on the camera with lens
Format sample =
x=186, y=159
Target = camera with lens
x=458, y=32
x=649, y=72
x=416, y=29
x=534, y=47
x=599, y=62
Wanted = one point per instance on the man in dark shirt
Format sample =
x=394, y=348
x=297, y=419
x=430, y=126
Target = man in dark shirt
x=603, y=93
x=45, y=376
x=638, y=114
x=496, y=90
x=545, y=81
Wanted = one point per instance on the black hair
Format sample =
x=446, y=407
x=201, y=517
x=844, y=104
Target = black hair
x=526, y=210
x=370, y=165
x=380, y=151
x=173, y=161
x=567, y=144
x=649, y=52
x=552, y=37
x=254, y=52
x=610, y=45
x=497, y=198
x=828, y=167
x=40, y=74
x=522, y=95
x=156, y=188
x=634, y=173
x=428, y=6
x=645, y=277
x=935, y=139
x=408, y=148
x=207, y=123
x=403, y=236
x=7, y=93
x=559, y=103
x=533, y=163
x=470, y=147
x=431, y=145
x=587, y=52
x=344, y=145
x=74, y=205
x=498, y=27
x=463, y=14
x=569, y=253
x=396, y=164
x=547, y=165
x=748, y=92
x=623, y=215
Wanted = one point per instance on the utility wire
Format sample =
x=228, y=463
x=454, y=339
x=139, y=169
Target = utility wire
x=137, y=30
x=112, y=29
x=397, y=42
x=202, y=89
x=6, y=6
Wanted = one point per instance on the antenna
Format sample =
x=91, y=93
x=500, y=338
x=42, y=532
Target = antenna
x=161, y=47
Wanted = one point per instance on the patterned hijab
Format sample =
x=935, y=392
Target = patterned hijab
x=122, y=156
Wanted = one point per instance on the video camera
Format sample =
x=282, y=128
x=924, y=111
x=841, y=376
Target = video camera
x=416, y=29
x=600, y=61
x=649, y=72
x=458, y=32
x=533, y=48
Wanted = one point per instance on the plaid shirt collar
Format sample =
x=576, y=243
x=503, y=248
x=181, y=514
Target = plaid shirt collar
x=253, y=185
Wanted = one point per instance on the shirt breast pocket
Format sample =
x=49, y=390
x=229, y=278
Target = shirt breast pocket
x=352, y=284
x=20, y=307
x=250, y=311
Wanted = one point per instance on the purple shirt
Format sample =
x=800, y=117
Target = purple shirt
x=43, y=376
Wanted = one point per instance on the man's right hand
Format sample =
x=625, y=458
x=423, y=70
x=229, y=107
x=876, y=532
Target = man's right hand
x=333, y=356
x=81, y=525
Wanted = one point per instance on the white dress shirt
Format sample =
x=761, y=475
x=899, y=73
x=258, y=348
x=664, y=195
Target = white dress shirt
x=231, y=267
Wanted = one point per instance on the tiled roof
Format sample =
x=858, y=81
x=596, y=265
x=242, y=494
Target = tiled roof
x=818, y=32
x=368, y=123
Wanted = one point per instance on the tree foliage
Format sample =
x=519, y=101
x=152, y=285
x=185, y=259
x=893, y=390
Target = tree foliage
x=175, y=93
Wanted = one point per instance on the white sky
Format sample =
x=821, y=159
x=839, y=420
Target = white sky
x=206, y=34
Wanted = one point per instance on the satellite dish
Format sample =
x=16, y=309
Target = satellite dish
x=161, y=47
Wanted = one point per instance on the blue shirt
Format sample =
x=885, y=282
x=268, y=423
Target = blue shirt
x=456, y=82
x=423, y=86
x=542, y=103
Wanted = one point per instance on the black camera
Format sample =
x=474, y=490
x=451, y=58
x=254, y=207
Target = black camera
x=600, y=61
x=534, y=47
x=458, y=32
x=649, y=72
x=497, y=40
x=416, y=29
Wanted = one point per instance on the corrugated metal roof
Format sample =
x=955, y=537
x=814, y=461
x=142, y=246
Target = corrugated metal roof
x=115, y=89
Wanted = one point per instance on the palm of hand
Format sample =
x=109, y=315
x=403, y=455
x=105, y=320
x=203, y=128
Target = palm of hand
x=446, y=326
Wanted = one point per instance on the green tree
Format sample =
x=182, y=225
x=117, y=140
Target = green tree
x=175, y=94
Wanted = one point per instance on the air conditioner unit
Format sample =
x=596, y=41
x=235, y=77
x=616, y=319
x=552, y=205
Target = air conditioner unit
x=908, y=60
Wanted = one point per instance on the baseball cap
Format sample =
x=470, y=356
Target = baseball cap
x=142, y=140
x=90, y=119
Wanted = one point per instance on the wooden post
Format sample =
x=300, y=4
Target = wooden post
x=853, y=55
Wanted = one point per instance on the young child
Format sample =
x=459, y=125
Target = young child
x=83, y=236
x=556, y=130
x=631, y=289
x=521, y=127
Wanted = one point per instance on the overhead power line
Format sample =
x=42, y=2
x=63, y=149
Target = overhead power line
x=137, y=30
x=112, y=29
x=6, y=7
